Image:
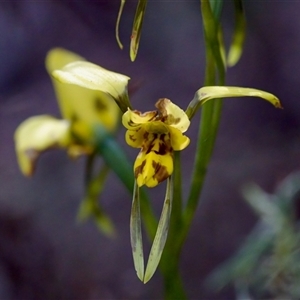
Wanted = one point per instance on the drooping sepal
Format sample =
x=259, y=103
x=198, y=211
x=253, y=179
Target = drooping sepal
x=36, y=135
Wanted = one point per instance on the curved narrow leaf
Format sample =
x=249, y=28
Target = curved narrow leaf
x=161, y=233
x=236, y=47
x=118, y=23
x=213, y=92
x=136, y=234
x=137, y=28
x=216, y=7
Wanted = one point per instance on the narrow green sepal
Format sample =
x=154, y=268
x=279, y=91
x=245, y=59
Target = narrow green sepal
x=136, y=233
x=161, y=233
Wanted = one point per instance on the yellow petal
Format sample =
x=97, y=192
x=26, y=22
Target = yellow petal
x=178, y=140
x=154, y=163
x=132, y=119
x=135, y=138
x=36, y=135
x=173, y=115
x=84, y=107
x=91, y=76
x=57, y=58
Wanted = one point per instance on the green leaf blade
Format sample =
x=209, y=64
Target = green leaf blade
x=137, y=28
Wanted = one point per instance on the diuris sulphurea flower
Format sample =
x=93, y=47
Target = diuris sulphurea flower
x=158, y=133
x=84, y=109
x=81, y=108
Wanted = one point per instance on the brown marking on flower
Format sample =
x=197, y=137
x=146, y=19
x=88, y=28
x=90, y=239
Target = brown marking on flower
x=32, y=155
x=131, y=136
x=151, y=114
x=163, y=149
x=161, y=105
x=161, y=172
x=146, y=135
x=74, y=117
x=148, y=145
x=165, y=117
x=139, y=169
x=99, y=105
x=172, y=120
x=148, y=148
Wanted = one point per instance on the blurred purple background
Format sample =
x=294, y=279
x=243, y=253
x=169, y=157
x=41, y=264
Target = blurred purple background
x=44, y=253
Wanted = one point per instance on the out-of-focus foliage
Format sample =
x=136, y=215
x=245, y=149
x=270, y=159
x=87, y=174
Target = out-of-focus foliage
x=268, y=263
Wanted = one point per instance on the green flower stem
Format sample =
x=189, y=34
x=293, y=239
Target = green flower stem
x=210, y=116
x=115, y=158
x=173, y=287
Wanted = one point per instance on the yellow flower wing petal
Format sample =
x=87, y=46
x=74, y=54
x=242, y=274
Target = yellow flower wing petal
x=133, y=119
x=173, y=115
x=178, y=140
x=135, y=138
x=36, y=135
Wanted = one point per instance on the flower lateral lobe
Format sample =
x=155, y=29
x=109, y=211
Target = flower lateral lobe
x=158, y=134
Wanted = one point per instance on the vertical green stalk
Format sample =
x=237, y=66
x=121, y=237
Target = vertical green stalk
x=210, y=115
x=210, y=118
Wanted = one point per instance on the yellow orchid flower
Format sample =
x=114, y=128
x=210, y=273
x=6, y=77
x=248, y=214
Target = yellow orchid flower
x=158, y=134
x=82, y=109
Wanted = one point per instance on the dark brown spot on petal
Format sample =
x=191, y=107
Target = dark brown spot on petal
x=145, y=135
x=131, y=136
x=175, y=121
x=149, y=144
x=161, y=106
x=161, y=172
x=150, y=114
x=99, y=105
x=163, y=149
x=74, y=117
x=139, y=170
